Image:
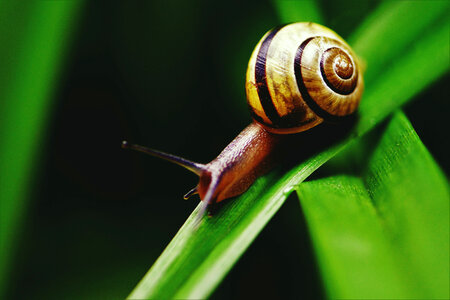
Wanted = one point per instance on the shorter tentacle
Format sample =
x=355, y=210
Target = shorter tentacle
x=191, y=193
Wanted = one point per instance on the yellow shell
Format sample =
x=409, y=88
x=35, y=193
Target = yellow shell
x=301, y=74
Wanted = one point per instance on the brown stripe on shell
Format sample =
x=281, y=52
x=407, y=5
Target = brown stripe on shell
x=261, y=80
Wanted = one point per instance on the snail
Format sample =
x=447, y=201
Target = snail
x=299, y=75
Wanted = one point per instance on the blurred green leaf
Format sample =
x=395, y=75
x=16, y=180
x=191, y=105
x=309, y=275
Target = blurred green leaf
x=298, y=11
x=385, y=235
x=407, y=70
x=195, y=261
x=395, y=29
x=29, y=73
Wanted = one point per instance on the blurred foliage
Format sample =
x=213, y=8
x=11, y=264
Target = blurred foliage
x=33, y=38
x=165, y=74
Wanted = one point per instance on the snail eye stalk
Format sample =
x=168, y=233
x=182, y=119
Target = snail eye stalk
x=194, y=167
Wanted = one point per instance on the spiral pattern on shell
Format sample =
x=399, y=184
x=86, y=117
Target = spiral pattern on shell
x=300, y=75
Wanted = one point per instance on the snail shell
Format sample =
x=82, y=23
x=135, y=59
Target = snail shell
x=300, y=75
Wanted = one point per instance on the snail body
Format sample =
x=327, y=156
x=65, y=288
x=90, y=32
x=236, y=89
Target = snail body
x=298, y=76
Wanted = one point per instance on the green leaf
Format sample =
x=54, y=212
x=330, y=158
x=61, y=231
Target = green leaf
x=290, y=11
x=196, y=261
x=419, y=66
x=384, y=235
x=30, y=64
x=392, y=30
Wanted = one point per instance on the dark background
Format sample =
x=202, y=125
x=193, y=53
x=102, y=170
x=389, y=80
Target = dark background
x=170, y=76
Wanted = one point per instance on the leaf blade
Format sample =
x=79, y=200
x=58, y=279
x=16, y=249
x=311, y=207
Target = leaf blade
x=32, y=60
x=375, y=37
x=405, y=78
x=290, y=11
x=401, y=243
x=360, y=242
